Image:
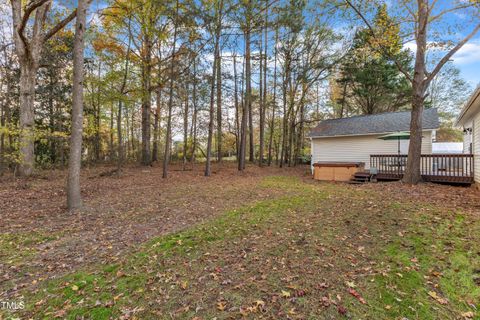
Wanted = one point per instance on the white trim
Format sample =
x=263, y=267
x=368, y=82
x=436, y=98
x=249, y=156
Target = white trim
x=363, y=134
x=468, y=105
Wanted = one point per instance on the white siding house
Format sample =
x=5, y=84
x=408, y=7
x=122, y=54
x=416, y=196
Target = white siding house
x=354, y=139
x=359, y=148
x=469, y=120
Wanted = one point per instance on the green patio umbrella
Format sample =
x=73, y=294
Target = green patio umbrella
x=396, y=136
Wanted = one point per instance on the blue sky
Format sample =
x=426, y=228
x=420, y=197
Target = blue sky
x=467, y=59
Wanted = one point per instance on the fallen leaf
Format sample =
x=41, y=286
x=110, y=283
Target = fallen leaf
x=260, y=303
x=221, y=305
x=285, y=294
x=184, y=285
x=342, y=310
x=468, y=315
x=354, y=293
x=439, y=299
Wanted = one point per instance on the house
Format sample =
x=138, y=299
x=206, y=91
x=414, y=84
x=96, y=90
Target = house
x=469, y=121
x=447, y=147
x=355, y=139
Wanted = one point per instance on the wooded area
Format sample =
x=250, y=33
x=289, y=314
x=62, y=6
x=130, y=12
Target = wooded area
x=155, y=159
x=215, y=80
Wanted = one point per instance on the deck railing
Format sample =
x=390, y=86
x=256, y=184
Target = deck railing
x=456, y=168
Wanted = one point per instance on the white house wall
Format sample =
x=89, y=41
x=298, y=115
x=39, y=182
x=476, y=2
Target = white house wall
x=467, y=137
x=476, y=146
x=359, y=148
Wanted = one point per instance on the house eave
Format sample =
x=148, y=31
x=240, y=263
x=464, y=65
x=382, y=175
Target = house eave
x=469, y=109
x=364, y=134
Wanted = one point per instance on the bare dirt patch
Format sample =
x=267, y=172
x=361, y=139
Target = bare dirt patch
x=120, y=213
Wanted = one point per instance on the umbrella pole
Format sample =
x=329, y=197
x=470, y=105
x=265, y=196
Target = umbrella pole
x=398, y=160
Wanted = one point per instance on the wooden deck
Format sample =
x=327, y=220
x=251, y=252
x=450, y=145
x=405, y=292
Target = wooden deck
x=442, y=168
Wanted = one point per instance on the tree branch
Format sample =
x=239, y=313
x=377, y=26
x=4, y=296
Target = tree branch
x=32, y=6
x=451, y=53
x=59, y=26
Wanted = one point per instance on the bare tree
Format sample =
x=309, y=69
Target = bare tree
x=263, y=86
x=168, y=136
x=216, y=75
x=74, y=198
x=247, y=103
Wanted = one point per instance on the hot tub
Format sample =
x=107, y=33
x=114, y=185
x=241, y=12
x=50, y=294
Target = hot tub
x=336, y=171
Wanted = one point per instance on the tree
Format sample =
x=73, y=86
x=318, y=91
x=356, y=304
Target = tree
x=419, y=18
x=370, y=82
x=74, y=198
x=215, y=78
x=29, y=45
x=247, y=103
x=263, y=86
x=168, y=136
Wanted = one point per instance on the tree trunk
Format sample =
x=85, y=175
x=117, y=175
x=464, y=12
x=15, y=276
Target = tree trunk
x=132, y=134
x=285, y=114
x=218, y=34
x=274, y=101
x=412, y=172
x=248, y=91
x=3, y=111
x=208, y=169
x=119, y=137
x=219, y=105
x=168, y=135
x=28, y=71
x=120, y=109
x=5, y=119
x=97, y=118
x=263, y=91
x=74, y=199
x=251, y=149
x=237, y=122
x=111, y=148
x=156, y=126
x=185, y=129
x=146, y=100
x=195, y=110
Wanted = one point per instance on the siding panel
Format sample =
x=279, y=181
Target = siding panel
x=359, y=148
x=476, y=146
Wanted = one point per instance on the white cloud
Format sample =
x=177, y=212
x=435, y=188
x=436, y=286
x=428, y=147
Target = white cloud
x=468, y=53
x=411, y=46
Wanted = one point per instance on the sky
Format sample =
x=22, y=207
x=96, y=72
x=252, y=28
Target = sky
x=467, y=59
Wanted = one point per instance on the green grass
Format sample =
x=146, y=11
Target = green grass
x=396, y=253
x=17, y=247
x=126, y=281
x=439, y=254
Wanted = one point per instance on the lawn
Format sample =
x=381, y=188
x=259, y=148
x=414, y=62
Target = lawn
x=267, y=244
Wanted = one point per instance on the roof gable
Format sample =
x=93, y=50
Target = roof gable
x=471, y=107
x=372, y=124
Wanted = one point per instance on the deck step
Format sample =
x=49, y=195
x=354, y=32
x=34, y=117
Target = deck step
x=362, y=174
x=356, y=182
x=360, y=177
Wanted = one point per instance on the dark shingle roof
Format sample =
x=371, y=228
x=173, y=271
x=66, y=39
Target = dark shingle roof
x=375, y=123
